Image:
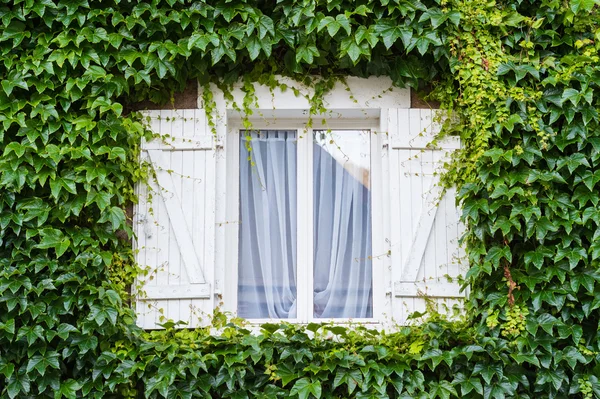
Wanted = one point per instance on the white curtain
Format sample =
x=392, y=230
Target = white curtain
x=267, y=244
x=342, y=239
x=268, y=234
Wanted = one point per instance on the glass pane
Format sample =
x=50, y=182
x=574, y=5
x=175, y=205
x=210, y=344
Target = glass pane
x=342, y=224
x=267, y=233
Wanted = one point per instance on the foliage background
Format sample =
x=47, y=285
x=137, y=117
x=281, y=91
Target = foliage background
x=522, y=79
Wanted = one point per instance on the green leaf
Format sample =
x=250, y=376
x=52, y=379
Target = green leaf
x=64, y=330
x=513, y=19
x=344, y=23
x=523, y=357
x=265, y=26
x=537, y=257
x=442, y=389
x=390, y=32
x=304, y=387
x=547, y=322
x=115, y=216
x=571, y=95
x=553, y=376
x=351, y=377
x=253, y=46
x=51, y=238
x=18, y=385
x=306, y=53
x=488, y=371
x=6, y=369
x=41, y=362
x=495, y=254
x=69, y=389
x=582, y=5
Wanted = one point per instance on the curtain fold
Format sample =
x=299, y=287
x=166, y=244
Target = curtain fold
x=342, y=283
x=267, y=240
x=342, y=239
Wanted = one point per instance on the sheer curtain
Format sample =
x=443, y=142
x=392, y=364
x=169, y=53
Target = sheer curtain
x=342, y=284
x=342, y=238
x=267, y=238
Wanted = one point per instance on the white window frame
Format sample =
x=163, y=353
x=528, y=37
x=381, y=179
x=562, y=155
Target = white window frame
x=304, y=216
x=400, y=135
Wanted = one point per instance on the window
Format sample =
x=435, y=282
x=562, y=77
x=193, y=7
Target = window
x=340, y=220
x=336, y=279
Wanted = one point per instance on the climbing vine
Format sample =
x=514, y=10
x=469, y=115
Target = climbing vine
x=522, y=81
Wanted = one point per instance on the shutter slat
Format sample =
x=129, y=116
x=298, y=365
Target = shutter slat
x=187, y=291
x=177, y=223
x=177, y=219
x=424, y=224
x=424, y=230
x=432, y=289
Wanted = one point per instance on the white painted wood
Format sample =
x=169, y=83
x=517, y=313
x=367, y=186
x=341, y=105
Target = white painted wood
x=422, y=126
x=177, y=221
x=423, y=233
x=423, y=223
x=171, y=291
x=179, y=143
x=229, y=224
x=372, y=93
x=177, y=218
x=433, y=289
x=378, y=244
x=304, y=223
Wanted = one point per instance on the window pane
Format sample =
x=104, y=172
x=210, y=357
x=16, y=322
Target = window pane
x=267, y=233
x=342, y=224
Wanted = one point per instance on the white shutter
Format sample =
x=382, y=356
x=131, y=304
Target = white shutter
x=425, y=228
x=174, y=222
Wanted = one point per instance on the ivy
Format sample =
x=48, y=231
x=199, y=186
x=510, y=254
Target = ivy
x=522, y=80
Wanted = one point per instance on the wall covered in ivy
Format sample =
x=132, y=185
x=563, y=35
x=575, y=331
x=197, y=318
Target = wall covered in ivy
x=522, y=79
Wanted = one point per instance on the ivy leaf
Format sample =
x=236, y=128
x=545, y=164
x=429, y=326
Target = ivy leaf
x=583, y=5
x=487, y=371
x=442, y=389
x=547, y=322
x=15, y=147
x=572, y=162
x=526, y=357
x=350, y=47
x=351, y=378
x=306, y=53
x=571, y=95
x=513, y=19
x=553, y=376
x=69, y=389
x=265, y=25
x=253, y=46
x=436, y=16
x=115, y=216
x=64, y=330
x=285, y=372
x=197, y=40
x=41, y=363
x=467, y=384
x=6, y=369
x=573, y=356
x=344, y=23
x=53, y=238
x=18, y=384
x=537, y=257
x=304, y=387
x=390, y=32
x=495, y=254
